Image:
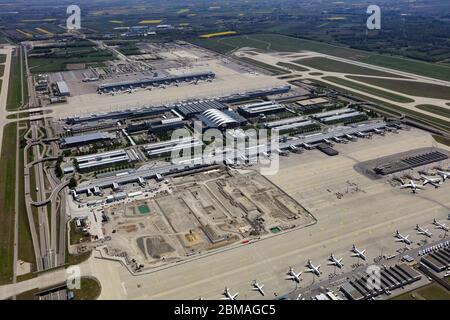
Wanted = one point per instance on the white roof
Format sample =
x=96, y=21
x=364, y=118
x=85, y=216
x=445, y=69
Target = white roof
x=218, y=117
x=62, y=87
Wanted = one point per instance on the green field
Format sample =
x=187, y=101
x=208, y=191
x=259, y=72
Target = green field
x=272, y=69
x=290, y=44
x=429, y=292
x=392, y=109
x=7, y=201
x=2, y=70
x=58, y=57
x=432, y=70
x=291, y=66
x=435, y=109
x=14, y=100
x=76, y=236
x=377, y=92
x=445, y=142
x=21, y=115
x=44, y=65
x=26, y=250
x=2, y=58
x=413, y=88
x=90, y=289
x=325, y=64
x=278, y=42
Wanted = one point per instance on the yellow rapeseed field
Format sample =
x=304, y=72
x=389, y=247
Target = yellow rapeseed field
x=150, y=22
x=41, y=30
x=218, y=34
x=26, y=34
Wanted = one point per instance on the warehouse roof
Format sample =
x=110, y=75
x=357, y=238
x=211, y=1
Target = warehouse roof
x=342, y=116
x=286, y=121
x=87, y=137
x=261, y=107
x=62, y=87
x=332, y=113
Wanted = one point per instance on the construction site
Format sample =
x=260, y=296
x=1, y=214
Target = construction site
x=200, y=212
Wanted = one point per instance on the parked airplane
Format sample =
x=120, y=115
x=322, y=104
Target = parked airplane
x=401, y=238
x=411, y=185
x=311, y=268
x=307, y=146
x=267, y=155
x=378, y=131
x=328, y=142
x=258, y=287
x=228, y=295
x=440, y=225
x=293, y=276
x=363, y=135
x=357, y=253
x=445, y=175
x=350, y=137
x=422, y=231
x=335, y=262
x=435, y=182
x=339, y=140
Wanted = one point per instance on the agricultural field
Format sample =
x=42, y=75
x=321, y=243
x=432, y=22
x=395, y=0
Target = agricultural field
x=218, y=34
x=126, y=47
x=380, y=93
x=413, y=88
x=2, y=58
x=58, y=57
